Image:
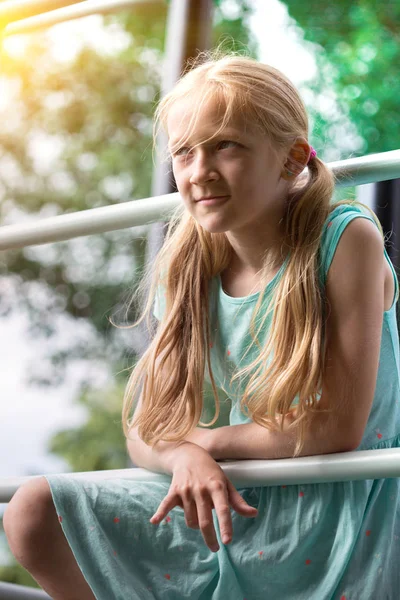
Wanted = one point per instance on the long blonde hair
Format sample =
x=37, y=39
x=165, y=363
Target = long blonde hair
x=169, y=377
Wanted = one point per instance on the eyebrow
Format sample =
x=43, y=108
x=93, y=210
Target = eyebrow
x=223, y=135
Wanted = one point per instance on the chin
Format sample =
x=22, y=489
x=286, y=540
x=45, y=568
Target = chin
x=213, y=227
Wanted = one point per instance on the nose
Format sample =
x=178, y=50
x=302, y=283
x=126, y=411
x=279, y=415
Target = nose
x=203, y=169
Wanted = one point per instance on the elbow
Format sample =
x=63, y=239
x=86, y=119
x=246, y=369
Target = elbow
x=341, y=434
x=349, y=446
x=346, y=443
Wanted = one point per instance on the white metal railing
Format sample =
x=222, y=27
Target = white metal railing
x=344, y=466
x=354, y=171
x=88, y=222
x=10, y=591
x=68, y=13
x=14, y=10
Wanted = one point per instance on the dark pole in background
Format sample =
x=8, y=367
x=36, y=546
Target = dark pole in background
x=387, y=209
x=189, y=28
x=386, y=205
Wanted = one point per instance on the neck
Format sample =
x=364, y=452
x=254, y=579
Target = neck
x=253, y=247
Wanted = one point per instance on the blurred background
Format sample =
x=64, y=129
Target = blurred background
x=76, y=106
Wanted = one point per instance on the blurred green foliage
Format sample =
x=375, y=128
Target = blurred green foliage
x=98, y=444
x=358, y=54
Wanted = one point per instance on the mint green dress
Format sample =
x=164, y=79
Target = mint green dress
x=331, y=541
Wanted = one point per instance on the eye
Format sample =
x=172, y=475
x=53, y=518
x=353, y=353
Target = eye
x=226, y=143
x=181, y=151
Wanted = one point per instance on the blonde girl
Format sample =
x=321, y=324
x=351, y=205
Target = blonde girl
x=283, y=304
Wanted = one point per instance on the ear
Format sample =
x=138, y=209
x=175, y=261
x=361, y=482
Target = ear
x=297, y=158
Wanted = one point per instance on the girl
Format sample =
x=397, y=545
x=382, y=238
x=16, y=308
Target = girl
x=280, y=301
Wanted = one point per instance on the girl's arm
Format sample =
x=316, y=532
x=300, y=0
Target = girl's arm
x=355, y=292
x=160, y=459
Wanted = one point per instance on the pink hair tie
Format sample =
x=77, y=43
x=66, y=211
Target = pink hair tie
x=313, y=153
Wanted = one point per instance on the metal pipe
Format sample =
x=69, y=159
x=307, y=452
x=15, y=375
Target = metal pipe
x=381, y=166
x=14, y=10
x=189, y=28
x=69, y=13
x=355, y=171
x=341, y=466
x=386, y=205
x=87, y=222
x=10, y=591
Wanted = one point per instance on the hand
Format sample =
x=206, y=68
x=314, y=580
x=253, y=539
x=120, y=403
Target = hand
x=198, y=485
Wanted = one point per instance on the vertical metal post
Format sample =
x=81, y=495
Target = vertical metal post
x=387, y=208
x=189, y=28
x=188, y=32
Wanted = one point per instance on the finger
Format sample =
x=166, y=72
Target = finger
x=220, y=498
x=206, y=523
x=190, y=508
x=169, y=502
x=239, y=504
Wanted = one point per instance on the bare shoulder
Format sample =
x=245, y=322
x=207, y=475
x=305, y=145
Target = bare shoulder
x=358, y=264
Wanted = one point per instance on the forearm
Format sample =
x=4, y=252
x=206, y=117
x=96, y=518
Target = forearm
x=253, y=441
x=159, y=458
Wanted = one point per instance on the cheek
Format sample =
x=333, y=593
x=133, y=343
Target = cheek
x=180, y=179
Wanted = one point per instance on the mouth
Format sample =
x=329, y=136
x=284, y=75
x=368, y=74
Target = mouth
x=210, y=200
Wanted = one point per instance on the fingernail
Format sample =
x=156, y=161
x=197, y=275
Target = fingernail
x=226, y=539
x=215, y=548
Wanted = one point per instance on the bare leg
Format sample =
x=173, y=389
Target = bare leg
x=38, y=543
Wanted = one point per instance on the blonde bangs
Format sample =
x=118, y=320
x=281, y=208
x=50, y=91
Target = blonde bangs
x=208, y=89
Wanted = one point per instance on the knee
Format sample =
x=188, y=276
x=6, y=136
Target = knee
x=28, y=520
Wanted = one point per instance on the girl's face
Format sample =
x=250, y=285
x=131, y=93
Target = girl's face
x=231, y=182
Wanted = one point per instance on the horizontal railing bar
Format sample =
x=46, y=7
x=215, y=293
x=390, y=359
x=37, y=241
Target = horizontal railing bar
x=10, y=591
x=343, y=466
x=88, y=222
x=370, y=168
x=354, y=171
x=15, y=10
x=69, y=13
